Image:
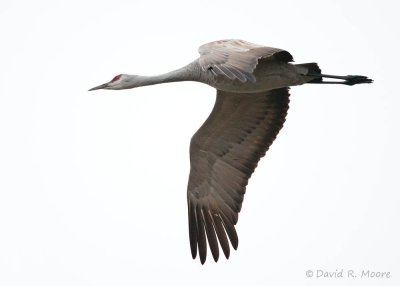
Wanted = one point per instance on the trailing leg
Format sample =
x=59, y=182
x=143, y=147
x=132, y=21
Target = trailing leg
x=312, y=70
x=347, y=80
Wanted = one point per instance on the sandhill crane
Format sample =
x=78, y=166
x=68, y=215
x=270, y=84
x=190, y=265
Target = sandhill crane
x=252, y=83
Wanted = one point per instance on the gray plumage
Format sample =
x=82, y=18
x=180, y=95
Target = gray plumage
x=236, y=59
x=251, y=105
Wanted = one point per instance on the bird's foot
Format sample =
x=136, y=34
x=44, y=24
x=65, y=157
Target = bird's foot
x=356, y=79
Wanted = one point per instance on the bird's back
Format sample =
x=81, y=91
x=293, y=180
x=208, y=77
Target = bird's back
x=240, y=66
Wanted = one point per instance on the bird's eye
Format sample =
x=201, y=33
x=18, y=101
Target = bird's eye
x=117, y=77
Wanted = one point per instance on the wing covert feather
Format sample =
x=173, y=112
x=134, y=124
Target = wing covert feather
x=237, y=59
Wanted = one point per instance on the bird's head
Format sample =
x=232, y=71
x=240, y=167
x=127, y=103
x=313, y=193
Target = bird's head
x=121, y=81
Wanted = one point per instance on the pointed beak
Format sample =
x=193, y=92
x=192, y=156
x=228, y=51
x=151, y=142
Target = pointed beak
x=102, y=86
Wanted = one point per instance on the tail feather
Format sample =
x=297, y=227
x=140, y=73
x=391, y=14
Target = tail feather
x=312, y=70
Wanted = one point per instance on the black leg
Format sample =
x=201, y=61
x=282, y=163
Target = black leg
x=347, y=80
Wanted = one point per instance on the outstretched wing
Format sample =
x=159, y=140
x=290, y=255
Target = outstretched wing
x=237, y=59
x=223, y=154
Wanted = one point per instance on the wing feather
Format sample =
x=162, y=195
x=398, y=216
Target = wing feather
x=201, y=237
x=223, y=154
x=219, y=229
x=237, y=59
x=211, y=235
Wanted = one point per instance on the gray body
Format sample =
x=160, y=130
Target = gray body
x=268, y=75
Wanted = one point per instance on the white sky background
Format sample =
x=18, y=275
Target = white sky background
x=93, y=185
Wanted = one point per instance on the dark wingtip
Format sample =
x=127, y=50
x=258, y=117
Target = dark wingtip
x=235, y=241
x=227, y=253
x=235, y=246
x=194, y=255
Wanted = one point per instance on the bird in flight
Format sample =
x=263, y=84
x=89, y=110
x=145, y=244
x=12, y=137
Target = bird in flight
x=252, y=101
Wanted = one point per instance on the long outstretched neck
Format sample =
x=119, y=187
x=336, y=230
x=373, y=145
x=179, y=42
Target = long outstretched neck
x=186, y=73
